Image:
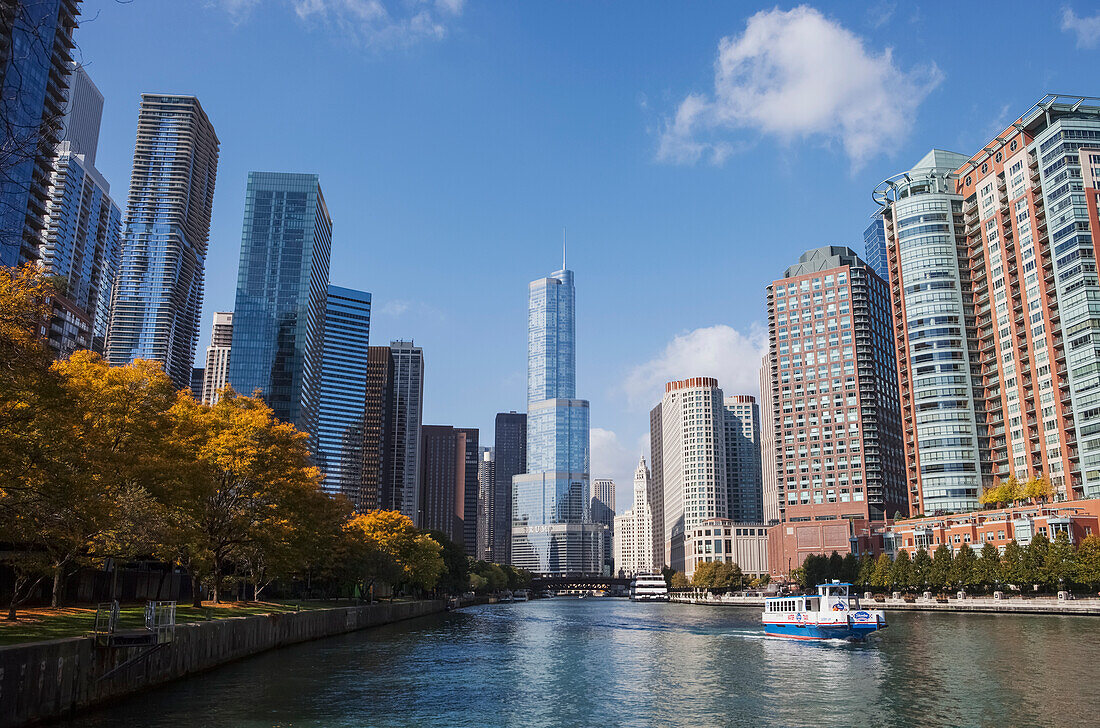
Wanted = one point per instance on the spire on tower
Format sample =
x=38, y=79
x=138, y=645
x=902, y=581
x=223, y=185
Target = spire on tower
x=563, y=248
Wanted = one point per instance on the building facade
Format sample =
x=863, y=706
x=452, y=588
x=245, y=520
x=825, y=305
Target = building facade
x=770, y=506
x=83, y=225
x=442, y=480
x=401, y=471
x=486, y=472
x=744, y=484
x=633, y=539
x=377, y=430
x=726, y=540
x=602, y=511
x=510, y=455
x=656, y=490
x=157, y=298
x=471, y=487
x=1009, y=234
x=551, y=531
x=874, y=247
x=835, y=413
x=693, y=460
x=36, y=42
x=342, y=392
x=282, y=280
x=215, y=375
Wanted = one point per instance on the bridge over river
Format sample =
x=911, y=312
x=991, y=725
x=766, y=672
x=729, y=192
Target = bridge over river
x=581, y=584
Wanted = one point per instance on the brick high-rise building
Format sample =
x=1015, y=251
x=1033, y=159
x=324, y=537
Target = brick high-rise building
x=833, y=384
x=377, y=429
x=992, y=270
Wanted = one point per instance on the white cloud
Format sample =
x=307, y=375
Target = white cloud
x=715, y=351
x=394, y=308
x=374, y=23
x=1087, y=30
x=798, y=74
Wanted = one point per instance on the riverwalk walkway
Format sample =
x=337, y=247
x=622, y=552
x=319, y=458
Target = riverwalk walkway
x=1012, y=605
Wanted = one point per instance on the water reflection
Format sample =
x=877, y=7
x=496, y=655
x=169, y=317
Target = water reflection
x=609, y=662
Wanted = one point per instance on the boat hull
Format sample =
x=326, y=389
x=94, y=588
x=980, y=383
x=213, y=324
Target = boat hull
x=819, y=632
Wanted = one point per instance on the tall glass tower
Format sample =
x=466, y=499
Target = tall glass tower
x=158, y=293
x=339, y=452
x=282, y=289
x=551, y=533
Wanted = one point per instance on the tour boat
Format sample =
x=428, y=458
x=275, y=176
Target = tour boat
x=648, y=588
x=830, y=614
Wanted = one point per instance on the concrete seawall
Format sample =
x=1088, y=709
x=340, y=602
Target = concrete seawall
x=1041, y=605
x=44, y=680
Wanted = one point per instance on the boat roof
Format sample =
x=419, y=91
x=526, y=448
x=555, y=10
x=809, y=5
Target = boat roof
x=836, y=583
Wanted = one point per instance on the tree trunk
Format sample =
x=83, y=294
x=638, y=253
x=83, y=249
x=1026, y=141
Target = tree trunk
x=215, y=590
x=55, y=595
x=196, y=591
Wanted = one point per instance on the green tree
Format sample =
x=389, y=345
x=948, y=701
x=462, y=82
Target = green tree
x=679, y=580
x=704, y=576
x=940, y=572
x=1087, y=562
x=882, y=577
x=922, y=569
x=1059, y=566
x=1012, y=565
x=963, y=567
x=849, y=570
x=1034, y=561
x=901, y=571
x=866, y=571
x=456, y=575
x=836, y=567
x=987, y=570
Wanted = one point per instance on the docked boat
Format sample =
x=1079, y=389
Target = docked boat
x=648, y=588
x=520, y=595
x=830, y=614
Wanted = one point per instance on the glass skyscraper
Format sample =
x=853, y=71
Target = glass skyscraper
x=36, y=41
x=551, y=532
x=401, y=469
x=279, y=314
x=874, y=247
x=343, y=391
x=157, y=298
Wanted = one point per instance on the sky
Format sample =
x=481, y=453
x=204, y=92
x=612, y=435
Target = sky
x=693, y=150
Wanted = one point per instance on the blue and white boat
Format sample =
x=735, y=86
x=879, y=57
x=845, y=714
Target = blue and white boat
x=831, y=614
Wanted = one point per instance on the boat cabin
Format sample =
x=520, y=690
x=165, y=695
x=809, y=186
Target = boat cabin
x=834, y=596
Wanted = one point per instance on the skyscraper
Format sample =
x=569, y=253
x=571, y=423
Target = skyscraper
x=692, y=433
x=36, y=41
x=833, y=384
x=442, y=480
x=467, y=509
x=744, y=487
x=551, y=533
x=633, y=540
x=279, y=314
x=216, y=373
x=874, y=247
x=992, y=268
x=158, y=294
x=377, y=432
x=656, y=490
x=510, y=453
x=343, y=390
x=83, y=225
x=603, y=501
x=401, y=487
x=486, y=470
x=770, y=506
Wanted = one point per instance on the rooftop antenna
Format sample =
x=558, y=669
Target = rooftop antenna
x=563, y=248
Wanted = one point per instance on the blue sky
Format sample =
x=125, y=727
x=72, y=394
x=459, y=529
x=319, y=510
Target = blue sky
x=693, y=151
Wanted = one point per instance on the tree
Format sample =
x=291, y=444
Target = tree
x=456, y=575
x=940, y=572
x=881, y=577
x=901, y=571
x=1012, y=564
x=1034, y=560
x=1087, y=563
x=679, y=580
x=1059, y=566
x=703, y=577
x=243, y=469
x=667, y=572
x=963, y=567
x=836, y=567
x=423, y=562
x=921, y=569
x=987, y=570
x=866, y=571
x=1038, y=490
x=849, y=570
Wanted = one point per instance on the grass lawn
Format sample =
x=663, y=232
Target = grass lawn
x=42, y=623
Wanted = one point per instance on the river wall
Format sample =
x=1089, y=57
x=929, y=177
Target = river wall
x=45, y=680
x=1038, y=605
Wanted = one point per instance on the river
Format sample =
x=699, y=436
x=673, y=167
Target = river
x=610, y=662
